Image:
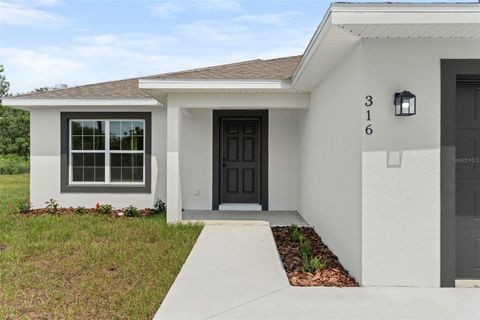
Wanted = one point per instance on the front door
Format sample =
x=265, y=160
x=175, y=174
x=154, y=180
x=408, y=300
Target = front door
x=467, y=214
x=240, y=160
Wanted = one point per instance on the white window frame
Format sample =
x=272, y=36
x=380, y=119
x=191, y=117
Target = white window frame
x=107, y=153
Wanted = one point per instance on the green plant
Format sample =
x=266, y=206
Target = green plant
x=159, y=206
x=104, y=209
x=296, y=235
x=80, y=210
x=131, y=211
x=24, y=206
x=52, y=206
x=313, y=264
x=305, y=248
x=13, y=164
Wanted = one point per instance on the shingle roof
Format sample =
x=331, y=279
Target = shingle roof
x=280, y=69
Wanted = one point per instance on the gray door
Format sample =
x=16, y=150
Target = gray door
x=239, y=175
x=467, y=181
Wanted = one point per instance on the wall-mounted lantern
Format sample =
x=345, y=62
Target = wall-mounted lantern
x=405, y=104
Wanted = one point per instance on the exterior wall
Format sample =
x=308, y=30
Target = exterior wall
x=330, y=162
x=196, y=159
x=45, y=161
x=401, y=161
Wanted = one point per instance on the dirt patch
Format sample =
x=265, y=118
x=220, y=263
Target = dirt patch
x=334, y=275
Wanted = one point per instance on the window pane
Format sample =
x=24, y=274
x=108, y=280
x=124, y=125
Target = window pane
x=88, y=174
x=138, y=159
x=127, y=143
x=88, y=127
x=138, y=128
x=126, y=167
x=88, y=135
x=87, y=143
x=137, y=143
x=99, y=128
x=99, y=174
x=127, y=174
x=77, y=174
x=77, y=128
x=88, y=167
x=88, y=160
x=127, y=160
x=115, y=143
x=137, y=174
x=116, y=160
x=77, y=159
x=115, y=129
x=115, y=174
x=126, y=128
x=77, y=143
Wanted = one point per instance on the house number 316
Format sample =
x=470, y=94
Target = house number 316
x=369, y=104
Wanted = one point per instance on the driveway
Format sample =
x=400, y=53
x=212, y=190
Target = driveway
x=234, y=272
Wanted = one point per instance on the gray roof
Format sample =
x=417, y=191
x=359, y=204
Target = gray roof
x=279, y=69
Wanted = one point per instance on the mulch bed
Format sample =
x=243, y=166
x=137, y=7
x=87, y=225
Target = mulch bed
x=334, y=275
x=64, y=211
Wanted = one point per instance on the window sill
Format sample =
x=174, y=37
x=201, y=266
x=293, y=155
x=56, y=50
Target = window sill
x=106, y=188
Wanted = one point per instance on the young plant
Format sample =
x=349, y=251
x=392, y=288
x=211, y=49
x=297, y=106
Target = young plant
x=312, y=265
x=51, y=206
x=295, y=234
x=80, y=210
x=305, y=248
x=104, y=208
x=24, y=206
x=131, y=211
x=159, y=206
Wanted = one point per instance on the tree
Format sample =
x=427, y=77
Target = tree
x=14, y=125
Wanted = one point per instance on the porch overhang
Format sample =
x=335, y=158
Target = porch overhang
x=347, y=24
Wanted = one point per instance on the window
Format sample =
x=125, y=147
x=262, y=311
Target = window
x=118, y=158
x=106, y=152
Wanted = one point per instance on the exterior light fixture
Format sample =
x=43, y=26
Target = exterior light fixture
x=405, y=103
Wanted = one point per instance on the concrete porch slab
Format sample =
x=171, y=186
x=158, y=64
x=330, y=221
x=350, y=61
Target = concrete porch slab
x=275, y=218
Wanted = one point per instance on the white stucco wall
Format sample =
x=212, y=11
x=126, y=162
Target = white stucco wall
x=196, y=159
x=45, y=161
x=329, y=194
x=401, y=201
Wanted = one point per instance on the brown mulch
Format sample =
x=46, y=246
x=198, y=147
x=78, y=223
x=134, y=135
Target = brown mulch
x=334, y=275
x=64, y=211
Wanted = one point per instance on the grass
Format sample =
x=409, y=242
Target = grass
x=85, y=266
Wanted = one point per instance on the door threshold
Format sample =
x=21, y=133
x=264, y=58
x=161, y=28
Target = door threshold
x=466, y=283
x=240, y=207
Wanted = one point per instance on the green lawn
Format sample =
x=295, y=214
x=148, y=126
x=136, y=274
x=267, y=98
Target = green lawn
x=85, y=266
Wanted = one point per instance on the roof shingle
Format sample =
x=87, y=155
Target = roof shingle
x=279, y=69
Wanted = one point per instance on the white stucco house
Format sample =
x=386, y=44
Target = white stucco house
x=397, y=198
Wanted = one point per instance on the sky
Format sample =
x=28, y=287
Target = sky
x=52, y=42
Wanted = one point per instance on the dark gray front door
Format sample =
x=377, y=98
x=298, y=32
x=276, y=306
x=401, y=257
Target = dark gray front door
x=467, y=214
x=240, y=162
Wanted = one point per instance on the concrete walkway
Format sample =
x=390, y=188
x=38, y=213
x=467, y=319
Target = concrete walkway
x=234, y=272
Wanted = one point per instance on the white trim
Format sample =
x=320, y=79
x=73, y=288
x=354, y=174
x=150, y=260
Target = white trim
x=44, y=102
x=223, y=84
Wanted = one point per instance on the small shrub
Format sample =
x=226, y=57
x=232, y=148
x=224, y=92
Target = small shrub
x=296, y=235
x=24, y=206
x=52, y=206
x=13, y=164
x=312, y=265
x=305, y=248
x=104, y=208
x=159, y=206
x=131, y=211
x=80, y=210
